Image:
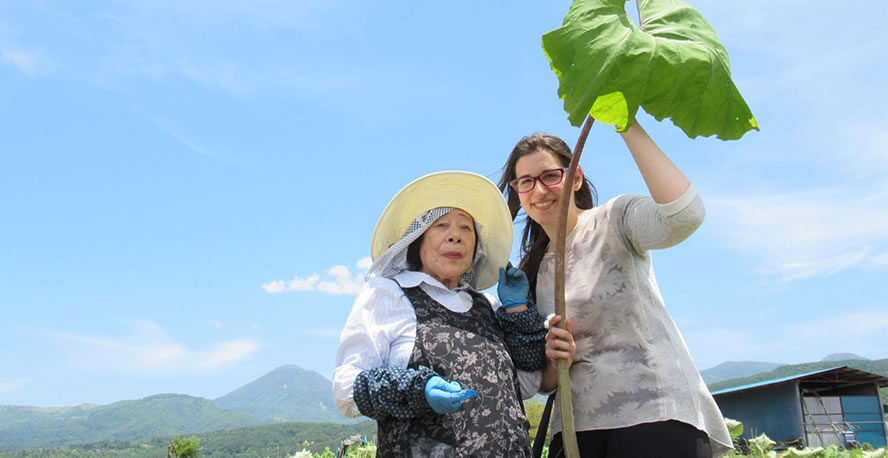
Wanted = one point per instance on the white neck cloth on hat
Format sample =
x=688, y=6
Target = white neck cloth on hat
x=394, y=259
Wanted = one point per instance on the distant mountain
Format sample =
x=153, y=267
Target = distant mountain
x=843, y=357
x=158, y=415
x=734, y=369
x=13, y=415
x=288, y=393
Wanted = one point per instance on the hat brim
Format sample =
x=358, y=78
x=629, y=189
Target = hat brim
x=470, y=192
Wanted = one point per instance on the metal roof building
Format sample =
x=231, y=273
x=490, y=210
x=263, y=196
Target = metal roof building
x=829, y=406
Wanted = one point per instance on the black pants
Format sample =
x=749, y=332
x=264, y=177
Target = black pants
x=665, y=439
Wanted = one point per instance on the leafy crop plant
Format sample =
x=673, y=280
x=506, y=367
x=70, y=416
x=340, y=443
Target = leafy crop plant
x=673, y=66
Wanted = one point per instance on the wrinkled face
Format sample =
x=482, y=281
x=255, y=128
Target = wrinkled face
x=448, y=246
x=541, y=204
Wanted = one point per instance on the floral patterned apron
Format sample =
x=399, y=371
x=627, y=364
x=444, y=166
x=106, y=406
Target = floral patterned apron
x=469, y=348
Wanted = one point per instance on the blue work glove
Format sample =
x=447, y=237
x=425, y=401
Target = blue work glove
x=513, y=286
x=444, y=396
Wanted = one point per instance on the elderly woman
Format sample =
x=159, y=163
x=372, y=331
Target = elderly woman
x=440, y=366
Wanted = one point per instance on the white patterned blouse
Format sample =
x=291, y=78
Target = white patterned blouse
x=632, y=365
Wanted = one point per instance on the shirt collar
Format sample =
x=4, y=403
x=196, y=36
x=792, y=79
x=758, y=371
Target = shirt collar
x=412, y=278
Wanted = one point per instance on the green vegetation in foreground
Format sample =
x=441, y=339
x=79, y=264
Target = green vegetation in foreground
x=276, y=440
x=762, y=446
x=319, y=440
x=533, y=408
x=877, y=366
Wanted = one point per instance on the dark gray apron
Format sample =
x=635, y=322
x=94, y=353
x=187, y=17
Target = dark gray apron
x=469, y=348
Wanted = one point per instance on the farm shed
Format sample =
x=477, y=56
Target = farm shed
x=829, y=406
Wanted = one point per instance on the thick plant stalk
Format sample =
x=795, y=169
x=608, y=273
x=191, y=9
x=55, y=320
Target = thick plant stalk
x=565, y=402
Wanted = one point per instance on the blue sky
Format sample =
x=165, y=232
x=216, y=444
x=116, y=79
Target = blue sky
x=188, y=189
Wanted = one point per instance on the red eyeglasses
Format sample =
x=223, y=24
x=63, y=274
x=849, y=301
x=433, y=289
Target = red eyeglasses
x=551, y=177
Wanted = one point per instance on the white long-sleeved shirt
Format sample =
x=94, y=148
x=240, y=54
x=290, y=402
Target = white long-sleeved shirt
x=381, y=330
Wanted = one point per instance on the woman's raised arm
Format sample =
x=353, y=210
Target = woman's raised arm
x=664, y=180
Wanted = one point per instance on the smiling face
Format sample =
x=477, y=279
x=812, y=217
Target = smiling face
x=448, y=247
x=542, y=203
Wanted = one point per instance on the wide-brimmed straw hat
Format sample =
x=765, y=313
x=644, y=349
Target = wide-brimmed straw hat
x=470, y=192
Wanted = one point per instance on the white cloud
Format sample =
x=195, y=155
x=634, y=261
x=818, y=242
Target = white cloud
x=240, y=80
x=806, y=234
x=192, y=144
x=150, y=348
x=880, y=259
x=865, y=148
x=296, y=284
x=822, y=230
x=338, y=280
x=339, y=271
x=111, y=43
x=810, y=76
x=274, y=287
x=228, y=353
x=365, y=263
x=13, y=385
x=864, y=324
x=792, y=340
x=805, y=267
x=21, y=60
x=343, y=282
x=826, y=46
x=303, y=284
x=824, y=121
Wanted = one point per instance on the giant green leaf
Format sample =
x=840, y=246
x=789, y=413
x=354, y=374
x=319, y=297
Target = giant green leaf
x=674, y=66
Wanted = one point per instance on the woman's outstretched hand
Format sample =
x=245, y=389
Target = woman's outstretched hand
x=446, y=397
x=560, y=342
